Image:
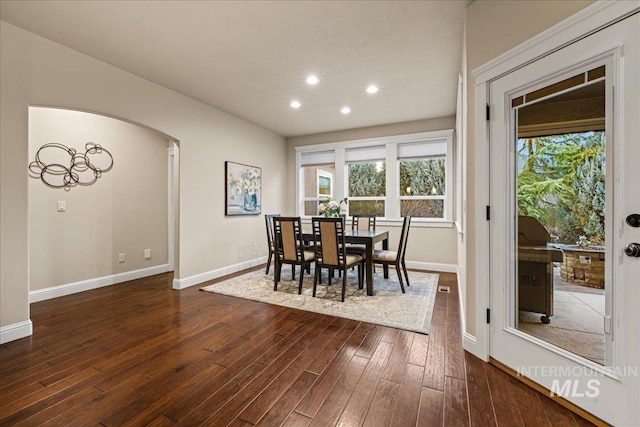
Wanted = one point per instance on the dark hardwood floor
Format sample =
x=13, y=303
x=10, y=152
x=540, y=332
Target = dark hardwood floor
x=140, y=353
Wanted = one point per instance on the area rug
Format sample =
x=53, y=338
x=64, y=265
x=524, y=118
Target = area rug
x=411, y=311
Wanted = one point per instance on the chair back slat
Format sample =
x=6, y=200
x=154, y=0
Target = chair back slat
x=269, y=224
x=404, y=237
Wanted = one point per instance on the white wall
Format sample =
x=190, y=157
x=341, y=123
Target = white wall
x=433, y=247
x=124, y=211
x=37, y=71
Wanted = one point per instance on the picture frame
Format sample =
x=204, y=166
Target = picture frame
x=243, y=189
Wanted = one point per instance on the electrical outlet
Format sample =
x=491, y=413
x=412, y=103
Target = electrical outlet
x=121, y=257
x=255, y=246
x=147, y=253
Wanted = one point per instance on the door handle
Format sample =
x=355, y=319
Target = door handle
x=632, y=250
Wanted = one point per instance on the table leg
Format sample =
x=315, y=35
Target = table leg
x=369, y=267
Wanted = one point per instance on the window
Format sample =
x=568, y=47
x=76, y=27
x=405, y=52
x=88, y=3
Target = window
x=389, y=177
x=318, y=185
x=366, y=180
x=316, y=179
x=422, y=188
x=325, y=183
x=367, y=183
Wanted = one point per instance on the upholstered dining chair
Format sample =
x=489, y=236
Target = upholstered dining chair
x=396, y=258
x=330, y=252
x=361, y=222
x=290, y=249
x=268, y=219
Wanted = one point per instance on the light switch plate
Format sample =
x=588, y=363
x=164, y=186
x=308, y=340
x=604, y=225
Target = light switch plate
x=62, y=206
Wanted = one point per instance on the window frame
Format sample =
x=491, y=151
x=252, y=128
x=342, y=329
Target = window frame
x=442, y=197
x=317, y=197
x=375, y=159
x=392, y=160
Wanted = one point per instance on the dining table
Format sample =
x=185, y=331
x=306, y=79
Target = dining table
x=368, y=238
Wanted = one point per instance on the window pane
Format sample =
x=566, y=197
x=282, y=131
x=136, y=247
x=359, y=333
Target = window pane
x=367, y=179
x=311, y=175
x=425, y=177
x=422, y=208
x=324, y=185
x=366, y=207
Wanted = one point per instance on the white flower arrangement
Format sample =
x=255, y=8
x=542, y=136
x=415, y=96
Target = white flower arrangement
x=248, y=181
x=330, y=207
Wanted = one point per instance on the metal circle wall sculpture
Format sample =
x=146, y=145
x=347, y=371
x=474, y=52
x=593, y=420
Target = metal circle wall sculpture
x=82, y=168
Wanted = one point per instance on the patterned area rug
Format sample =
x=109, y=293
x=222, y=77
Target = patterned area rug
x=388, y=307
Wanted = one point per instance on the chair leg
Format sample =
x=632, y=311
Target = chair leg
x=269, y=262
x=277, y=269
x=293, y=272
x=344, y=284
x=315, y=280
x=400, y=277
x=406, y=275
x=360, y=276
x=300, y=282
x=330, y=276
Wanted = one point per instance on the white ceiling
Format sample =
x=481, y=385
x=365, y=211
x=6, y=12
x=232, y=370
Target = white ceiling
x=251, y=59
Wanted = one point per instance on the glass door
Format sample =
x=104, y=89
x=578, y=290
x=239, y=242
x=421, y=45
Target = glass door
x=560, y=199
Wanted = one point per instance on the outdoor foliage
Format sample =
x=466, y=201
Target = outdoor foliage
x=561, y=183
x=424, y=177
x=367, y=180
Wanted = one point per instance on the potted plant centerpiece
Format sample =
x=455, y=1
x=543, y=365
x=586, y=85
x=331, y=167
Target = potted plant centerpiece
x=332, y=208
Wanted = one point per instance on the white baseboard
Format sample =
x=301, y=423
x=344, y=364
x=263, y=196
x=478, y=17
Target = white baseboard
x=85, y=285
x=16, y=331
x=469, y=343
x=431, y=266
x=196, y=279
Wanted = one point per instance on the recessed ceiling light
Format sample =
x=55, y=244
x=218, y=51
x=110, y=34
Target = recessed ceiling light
x=312, y=80
x=345, y=110
x=295, y=104
x=372, y=89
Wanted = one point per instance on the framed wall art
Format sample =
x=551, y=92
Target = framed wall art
x=243, y=189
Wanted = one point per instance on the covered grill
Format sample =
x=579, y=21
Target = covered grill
x=535, y=268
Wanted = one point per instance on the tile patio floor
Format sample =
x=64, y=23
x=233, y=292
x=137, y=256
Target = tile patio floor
x=577, y=324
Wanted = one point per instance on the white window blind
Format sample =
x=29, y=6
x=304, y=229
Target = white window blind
x=317, y=158
x=366, y=153
x=423, y=149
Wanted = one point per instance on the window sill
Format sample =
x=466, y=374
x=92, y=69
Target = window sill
x=415, y=222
